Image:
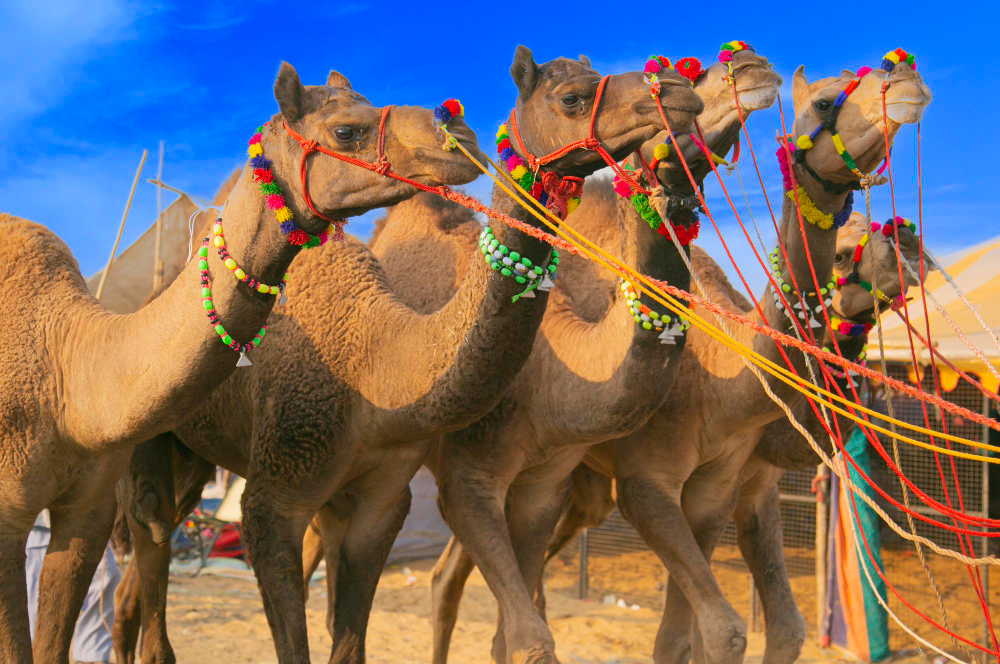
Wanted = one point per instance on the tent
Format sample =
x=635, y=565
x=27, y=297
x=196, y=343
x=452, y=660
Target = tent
x=976, y=271
x=131, y=278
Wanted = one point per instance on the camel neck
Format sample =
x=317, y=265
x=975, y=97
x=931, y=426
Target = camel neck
x=166, y=358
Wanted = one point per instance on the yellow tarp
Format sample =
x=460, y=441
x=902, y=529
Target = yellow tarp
x=976, y=271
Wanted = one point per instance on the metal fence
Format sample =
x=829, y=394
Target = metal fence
x=611, y=562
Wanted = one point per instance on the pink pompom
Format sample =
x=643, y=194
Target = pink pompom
x=513, y=162
x=725, y=55
x=274, y=201
x=862, y=71
x=254, y=139
x=621, y=187
x=652, y=66
x=844, y=328
x=876, y=226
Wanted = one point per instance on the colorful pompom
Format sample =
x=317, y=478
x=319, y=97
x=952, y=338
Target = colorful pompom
x=803, y=142
x=661, y=151
x=621, y=187
x=274, y=201
x=298, y=237
x=689, y=68
x=283, y=214
x=862, y=71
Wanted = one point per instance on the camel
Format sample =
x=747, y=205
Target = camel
x=91, y=384
x=781, y=447
x=678, y=477
x=597, y=323
x=340, y=421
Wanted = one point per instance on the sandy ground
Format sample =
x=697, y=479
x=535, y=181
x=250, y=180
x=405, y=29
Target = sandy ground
x=216, y=618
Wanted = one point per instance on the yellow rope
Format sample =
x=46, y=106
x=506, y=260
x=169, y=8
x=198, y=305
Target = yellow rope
x=796, y=382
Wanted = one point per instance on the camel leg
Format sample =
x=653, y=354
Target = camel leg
x=312, y=553
x=330, y=526
x=590, y=502
x=758, y=530
x=472, y=496
x=128, y=616
x=80, y=534
x=653, y=507
x=375, y=521
x=15, y=637
x=447, y=584
x=274, y=532
x=534, y=509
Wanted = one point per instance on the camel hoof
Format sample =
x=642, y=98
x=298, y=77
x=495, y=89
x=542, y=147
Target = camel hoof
x=533, y=656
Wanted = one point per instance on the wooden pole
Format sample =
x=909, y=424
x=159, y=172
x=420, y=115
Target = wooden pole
x=157, y=258
x=121, y=227
x=822, y=514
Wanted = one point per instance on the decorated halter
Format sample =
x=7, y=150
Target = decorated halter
x=805, y=143
x=726, y=52
x=809, y=211
x=558, y=192
x=855, y=277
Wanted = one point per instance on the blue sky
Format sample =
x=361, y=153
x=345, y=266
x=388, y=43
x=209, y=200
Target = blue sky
x=87, y=86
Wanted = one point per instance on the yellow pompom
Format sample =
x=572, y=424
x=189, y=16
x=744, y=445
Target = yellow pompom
x=461, y=109
x=219, y=241
x=661, y=151
x=263, y=288
x=255, y=150
x=518, y=172
x=501, y=131
x=736, y=45
x=240, y=274
x=804, y=142
x=572, y=204
x=274, y=290
x=283, y=213
x=892, y=57
x=230, y=264
x=217, y=229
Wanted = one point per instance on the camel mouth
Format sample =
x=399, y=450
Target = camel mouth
x=758, y=97
x=905, y=110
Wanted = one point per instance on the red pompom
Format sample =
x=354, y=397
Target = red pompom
x=298, y=237
x=263, y=175
x=689, y=68
x=536, y=189
x=502, y=145
x=452, y=106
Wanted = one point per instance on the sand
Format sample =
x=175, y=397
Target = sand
x=216, y=618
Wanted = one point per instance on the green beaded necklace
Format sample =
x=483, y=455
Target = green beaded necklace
x=511, y=264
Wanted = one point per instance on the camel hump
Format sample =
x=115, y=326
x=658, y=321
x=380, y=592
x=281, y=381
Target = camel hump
x=715, y=280
x=32, y=254
x=424, y=214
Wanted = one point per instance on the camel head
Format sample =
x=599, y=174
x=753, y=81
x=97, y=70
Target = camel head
x=877, y=267
x=343, y=121
x=555, y=102
x=756, y=87
x=859, y=120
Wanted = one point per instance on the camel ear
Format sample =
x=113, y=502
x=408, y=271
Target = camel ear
x=524, y=71
x=584, y=60
x=289, y=93
x=800, y=87
x=337, y=80
x=846, y=74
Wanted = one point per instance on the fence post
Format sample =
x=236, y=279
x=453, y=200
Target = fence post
x=821, y=551
x=584, y=581
x=987, y=637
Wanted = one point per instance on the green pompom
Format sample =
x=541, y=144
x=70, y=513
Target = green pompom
x=269, y=188
x=526, y=181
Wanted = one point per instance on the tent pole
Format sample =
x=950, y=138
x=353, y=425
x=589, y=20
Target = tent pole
x=157, y=258
x=121, y=227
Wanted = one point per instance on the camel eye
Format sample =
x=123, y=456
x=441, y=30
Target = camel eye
x=570, y=100
x=840, y=258
x=823, y=105
x=344, y=133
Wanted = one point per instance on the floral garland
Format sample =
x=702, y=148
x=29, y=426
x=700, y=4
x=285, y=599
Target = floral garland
x=275, y=201
x=849, y=329
x=810, y=212
x=689, y=68
x=519, y=172
x=640, y=201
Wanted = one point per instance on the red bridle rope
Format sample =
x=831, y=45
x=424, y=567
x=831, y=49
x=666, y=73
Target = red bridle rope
x=591, y=142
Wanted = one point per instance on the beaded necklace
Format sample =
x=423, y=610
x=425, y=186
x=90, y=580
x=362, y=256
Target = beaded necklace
x=275, y=201
x=213, y=316
x=669, y=327
x=805, y=313
x=219, y=241
x=512, y=264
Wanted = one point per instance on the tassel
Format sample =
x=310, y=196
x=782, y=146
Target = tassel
x=244, y=361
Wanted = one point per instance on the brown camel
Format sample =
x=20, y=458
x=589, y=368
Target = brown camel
x=339, y=421
x=781, y=447
x=90, y=384
x=564, y=414
x=678, y=476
